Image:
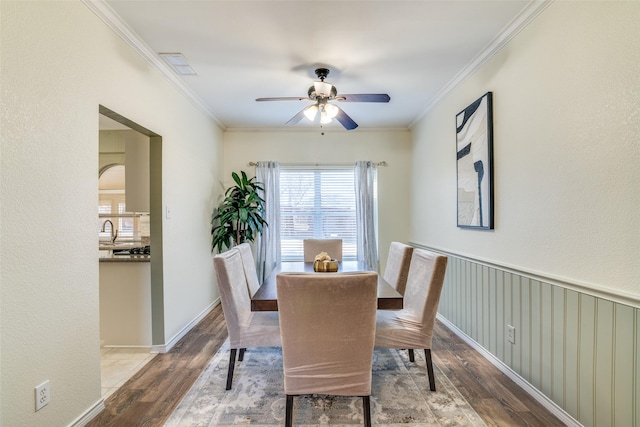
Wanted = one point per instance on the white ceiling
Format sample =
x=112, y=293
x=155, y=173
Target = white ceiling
x=241, y=50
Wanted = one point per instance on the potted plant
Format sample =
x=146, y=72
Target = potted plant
x=240, y=215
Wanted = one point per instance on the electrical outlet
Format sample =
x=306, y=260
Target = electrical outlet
x=511, y=334
x=43, y=395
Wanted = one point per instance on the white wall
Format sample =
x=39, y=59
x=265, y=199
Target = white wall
x=59, y=62
x=566, y=96
x=309, y=146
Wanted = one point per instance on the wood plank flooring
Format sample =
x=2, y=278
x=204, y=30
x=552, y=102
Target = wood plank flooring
x=151, y=395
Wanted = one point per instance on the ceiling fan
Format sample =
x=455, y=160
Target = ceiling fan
x=321, y=93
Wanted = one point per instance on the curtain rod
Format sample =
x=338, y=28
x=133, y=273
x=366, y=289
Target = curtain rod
x=382, y=163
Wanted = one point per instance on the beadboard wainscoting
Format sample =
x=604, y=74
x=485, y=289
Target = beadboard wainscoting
x=575, y=349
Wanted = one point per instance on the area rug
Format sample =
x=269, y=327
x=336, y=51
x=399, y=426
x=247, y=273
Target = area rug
x=400, y=395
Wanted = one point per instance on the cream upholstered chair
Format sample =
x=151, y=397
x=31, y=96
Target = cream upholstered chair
x=313, y=247
x=246, y=328
x=249, y=265
x=327, y=323
x=397, y=268
x=412, y=327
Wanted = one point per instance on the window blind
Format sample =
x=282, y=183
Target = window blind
x=114, y=203
x=317, y=202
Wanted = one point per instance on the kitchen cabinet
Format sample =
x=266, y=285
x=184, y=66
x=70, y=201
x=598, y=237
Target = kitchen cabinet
x=131, y=149
x=125, y=304
x=136, y=162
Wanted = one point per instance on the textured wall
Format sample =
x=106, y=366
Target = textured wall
x=59, y=63
x=394, y=147
x=562, y=264
x=566, y=151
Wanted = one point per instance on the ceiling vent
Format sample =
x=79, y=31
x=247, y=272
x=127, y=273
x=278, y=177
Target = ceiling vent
x=179, y=63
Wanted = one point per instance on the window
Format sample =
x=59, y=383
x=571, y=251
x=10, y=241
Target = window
x=317, y=202
x=112, y=206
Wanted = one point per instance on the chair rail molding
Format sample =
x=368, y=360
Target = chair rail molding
x=576, y=348
x=597, y=291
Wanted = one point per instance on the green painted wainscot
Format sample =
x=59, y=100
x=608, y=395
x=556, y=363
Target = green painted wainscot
x=576, y=350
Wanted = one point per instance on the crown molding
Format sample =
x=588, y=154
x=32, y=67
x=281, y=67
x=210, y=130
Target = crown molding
x=517, y=24
x=113, y=21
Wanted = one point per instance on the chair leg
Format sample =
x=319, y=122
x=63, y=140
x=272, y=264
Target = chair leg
x=232, y=362
x=412, y=357
x=432, y=379
x=366, y=407
x=241, y=354
x=288, y=417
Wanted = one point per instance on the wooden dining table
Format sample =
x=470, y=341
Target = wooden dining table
x=266, y=297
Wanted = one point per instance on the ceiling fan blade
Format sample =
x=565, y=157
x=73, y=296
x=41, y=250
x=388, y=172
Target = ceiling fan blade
x=364, y=97
x=345, y=120
x=286, y=98
x=295, y=119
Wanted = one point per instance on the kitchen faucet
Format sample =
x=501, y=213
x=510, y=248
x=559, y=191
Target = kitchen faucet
x=114, y=232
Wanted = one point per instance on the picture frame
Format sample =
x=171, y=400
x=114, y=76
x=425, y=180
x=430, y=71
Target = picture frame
x=474, y=164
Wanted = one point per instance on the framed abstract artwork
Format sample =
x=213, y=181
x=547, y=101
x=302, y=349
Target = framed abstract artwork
x=474, y=165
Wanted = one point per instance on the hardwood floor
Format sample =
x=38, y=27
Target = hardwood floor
x=152, y=394
x=496, y=398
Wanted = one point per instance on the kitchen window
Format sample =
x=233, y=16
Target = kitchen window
x=131, y=226
x=112, y=207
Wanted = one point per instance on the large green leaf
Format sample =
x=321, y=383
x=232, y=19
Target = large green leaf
x=239, y=217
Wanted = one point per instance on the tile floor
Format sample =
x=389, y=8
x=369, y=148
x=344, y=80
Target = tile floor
x=118, y=364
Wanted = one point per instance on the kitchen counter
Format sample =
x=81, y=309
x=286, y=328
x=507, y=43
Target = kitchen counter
x=114, y=253
x=108, y=256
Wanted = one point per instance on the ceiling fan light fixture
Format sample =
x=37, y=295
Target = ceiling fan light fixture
x=331, y=110
x=322, y=89
x=324, y=118
x=321, y=93
x=310, y=112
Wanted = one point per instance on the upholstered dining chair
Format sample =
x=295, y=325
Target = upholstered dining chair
x=412, y=327
x=249, y=265
x=327, y=323
x=313, y=247
x=246, y=328
x=397, y=268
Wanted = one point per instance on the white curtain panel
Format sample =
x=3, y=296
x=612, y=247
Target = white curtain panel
x=366, y=213
x=268, y=243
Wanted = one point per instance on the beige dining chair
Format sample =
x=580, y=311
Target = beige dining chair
x=313, y=247
x=245, y=327
x=327, y=323
x=249, y=265
x=412, y=327
x=397, y=268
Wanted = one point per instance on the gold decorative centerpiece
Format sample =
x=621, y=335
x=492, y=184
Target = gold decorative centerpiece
x=324, y=264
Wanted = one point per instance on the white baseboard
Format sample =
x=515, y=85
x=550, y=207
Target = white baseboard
x=137, y=347
x=98, y=407
x=545, y=401
x=164, y=348
x=89, y=414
